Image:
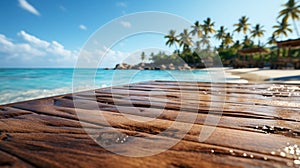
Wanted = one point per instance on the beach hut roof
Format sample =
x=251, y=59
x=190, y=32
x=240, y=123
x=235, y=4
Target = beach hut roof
x=292, y=43
x=250, y=51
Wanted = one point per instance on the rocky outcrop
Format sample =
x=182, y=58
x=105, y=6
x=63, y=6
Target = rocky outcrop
x=123, y=66
x=149, y=66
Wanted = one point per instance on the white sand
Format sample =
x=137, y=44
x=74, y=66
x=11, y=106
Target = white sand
x=260, y=75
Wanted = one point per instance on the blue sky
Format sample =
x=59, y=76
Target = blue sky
x=50, y=33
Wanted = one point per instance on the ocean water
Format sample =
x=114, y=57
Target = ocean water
x=25, y=84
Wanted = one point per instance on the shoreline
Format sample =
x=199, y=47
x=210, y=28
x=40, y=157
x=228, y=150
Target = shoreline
x=265, y=75
x=246, y=75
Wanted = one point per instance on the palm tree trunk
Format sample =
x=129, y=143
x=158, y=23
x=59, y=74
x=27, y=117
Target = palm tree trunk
x=295, y=26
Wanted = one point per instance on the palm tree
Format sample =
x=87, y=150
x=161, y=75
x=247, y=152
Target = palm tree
x=291, y=10
x=282, y=29
x=243, y=25
x=247, y=42
x=272, y=40
x=228, y=40
x=237, y=45
x=221, y=33
x=172, y=38
x=197, y=29
x=208, y=27
x=258, y=32
x=185, y=39
x=205, y=42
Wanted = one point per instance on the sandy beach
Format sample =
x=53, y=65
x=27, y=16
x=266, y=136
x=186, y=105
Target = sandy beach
x=263, y=75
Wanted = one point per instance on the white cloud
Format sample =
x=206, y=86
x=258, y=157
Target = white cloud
x=82, y=27
x=25, y=5
x=126, y=24
x=33, y=40
x=30, y=50
x=57, y=49
x=121, y=4
x=12, y=50
x=109, y=58
x=5, y=41
x=33, y=49
x=62, y=8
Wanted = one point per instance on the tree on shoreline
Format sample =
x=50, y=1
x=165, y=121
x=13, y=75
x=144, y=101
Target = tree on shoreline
x=185, y=40
x=197, y=29
x=272, y=40
x=208, y=27
x=172, y=38
x=282, y=28
x=291, y=10
x=243, y=25
x=228, y=39
x=257, y=32
x=221, y=33
x=247, y=42
x=229, y=47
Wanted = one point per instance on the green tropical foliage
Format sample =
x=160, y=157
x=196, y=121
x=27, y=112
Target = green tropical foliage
x=162, y=58
x=247, y=42
x=242, y=25
x=185, y=39
x=221, y=33
x=197, y=29
x=208, y=27
x=228, y=40
x=172, y=38
x=257, y=32
x=196, y=41
x=272, y=40
x=291, y=10
x=282, y=28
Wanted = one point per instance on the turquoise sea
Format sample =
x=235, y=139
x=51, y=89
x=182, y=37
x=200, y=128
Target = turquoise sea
x=25, y=84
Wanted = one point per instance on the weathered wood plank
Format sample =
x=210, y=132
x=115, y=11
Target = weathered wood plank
x=252, y=131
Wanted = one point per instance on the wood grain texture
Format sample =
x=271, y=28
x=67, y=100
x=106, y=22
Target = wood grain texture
x=256, y=124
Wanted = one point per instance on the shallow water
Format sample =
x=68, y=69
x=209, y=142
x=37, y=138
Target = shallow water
x=25, y=84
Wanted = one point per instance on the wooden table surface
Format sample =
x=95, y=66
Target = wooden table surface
x=259, y=126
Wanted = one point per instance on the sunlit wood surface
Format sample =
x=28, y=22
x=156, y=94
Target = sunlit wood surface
x=259, y=126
